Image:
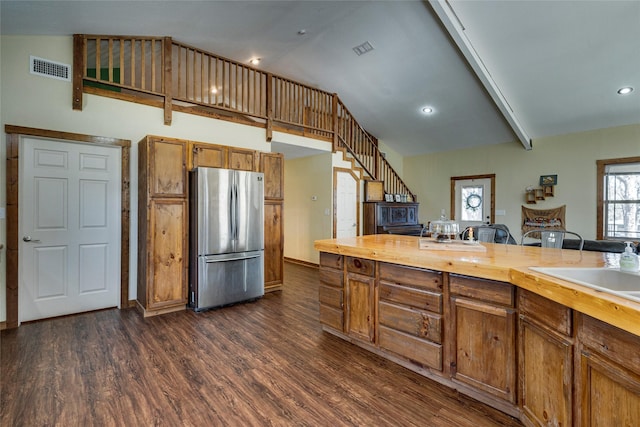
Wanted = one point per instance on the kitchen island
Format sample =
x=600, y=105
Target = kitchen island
x=547, y=351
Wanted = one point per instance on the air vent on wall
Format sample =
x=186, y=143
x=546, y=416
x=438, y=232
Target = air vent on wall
x=47, y=68
x=363, y=48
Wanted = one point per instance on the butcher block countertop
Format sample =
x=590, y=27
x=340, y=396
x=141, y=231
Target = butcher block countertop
x=507, y=263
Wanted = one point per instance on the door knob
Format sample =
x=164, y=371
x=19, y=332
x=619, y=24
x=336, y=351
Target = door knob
x=28, y=239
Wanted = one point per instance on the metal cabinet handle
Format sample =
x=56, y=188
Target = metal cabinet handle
x=28, y=239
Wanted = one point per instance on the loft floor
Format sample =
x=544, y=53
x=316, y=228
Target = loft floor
x=255, y=364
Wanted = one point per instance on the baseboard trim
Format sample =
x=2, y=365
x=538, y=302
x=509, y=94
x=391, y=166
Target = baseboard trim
x=301, y=262
x=3, y=326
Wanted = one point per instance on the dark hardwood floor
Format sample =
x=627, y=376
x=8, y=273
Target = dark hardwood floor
x=255, y=364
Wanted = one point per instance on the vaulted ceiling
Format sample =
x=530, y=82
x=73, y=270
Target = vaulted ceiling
x=556, y=65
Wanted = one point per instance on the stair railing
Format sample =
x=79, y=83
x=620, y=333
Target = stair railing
x=161, y=72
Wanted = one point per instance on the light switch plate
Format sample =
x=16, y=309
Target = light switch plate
x=500, y=212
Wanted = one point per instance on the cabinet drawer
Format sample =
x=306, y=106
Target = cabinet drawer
x=331, y=277
x=413, y=297
x=330, y=296
x=418, y=323
x=362, y=266
x=331, y=317
x=416, y=350
x=545, y=311
x=411, y=276
x=331, y=260
x=482, y=289
x=613, y=343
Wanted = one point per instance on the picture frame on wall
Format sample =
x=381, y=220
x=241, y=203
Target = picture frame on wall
x=547, y=180
x=398, y=198
x=388, y=197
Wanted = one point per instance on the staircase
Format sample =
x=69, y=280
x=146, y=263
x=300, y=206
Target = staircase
x=165, y=73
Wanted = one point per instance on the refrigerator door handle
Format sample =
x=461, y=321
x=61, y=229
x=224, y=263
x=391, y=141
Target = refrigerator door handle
x=240, y=258
x=232, y=211
x=235, y=216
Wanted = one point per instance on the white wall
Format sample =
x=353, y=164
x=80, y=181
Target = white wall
x=572, y=157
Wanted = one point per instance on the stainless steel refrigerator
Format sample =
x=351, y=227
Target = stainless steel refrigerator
x=227, y=238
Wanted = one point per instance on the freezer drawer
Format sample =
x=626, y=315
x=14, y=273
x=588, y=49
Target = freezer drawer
x=228, y=279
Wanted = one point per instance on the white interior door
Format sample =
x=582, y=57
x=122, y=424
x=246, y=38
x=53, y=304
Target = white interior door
x=346, y=189
x=69, y=198
x=472, y=202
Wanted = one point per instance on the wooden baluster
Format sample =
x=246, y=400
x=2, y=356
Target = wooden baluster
x=133, y=62
x=143, y=62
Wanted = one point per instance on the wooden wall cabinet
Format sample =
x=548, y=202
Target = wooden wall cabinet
x=608, y=375
x=273, y=246
x=331, y=291
x=208, y=155
x=241, y=159
x=483, y=333
x=162, y=226
x=545, y=361
x=272, y=165
x=361, y=297
x=163, y=219
x=410, y=314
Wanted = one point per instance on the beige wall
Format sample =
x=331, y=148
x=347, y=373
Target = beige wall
x=304, y=218
x=572, y=157
x=392, y=156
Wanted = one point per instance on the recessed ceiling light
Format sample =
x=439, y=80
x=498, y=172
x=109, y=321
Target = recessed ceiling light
x=254, y=61
x=427, y=110
x=302, y=32
x=625, y=90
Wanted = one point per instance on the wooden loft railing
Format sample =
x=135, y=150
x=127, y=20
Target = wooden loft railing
x=164, y=73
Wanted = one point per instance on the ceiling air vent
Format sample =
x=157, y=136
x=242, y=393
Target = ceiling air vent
x=47, y=68
x=363, y=48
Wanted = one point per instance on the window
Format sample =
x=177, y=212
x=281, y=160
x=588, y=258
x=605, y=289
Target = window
x=472, y=203
x=619, y=199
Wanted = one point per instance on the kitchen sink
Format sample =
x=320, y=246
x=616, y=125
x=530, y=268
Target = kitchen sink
x=613, y=281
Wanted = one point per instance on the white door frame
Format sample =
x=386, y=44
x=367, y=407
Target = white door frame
x=12, y=182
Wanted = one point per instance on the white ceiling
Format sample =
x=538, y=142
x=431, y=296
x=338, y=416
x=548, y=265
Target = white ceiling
x=557, y=63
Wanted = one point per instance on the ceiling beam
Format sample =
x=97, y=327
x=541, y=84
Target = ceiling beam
x=452, y=23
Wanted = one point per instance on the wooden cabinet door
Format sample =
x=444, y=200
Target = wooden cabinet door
x=272, y=165
x=610, y=393
x=209, y=156
x=167, y=280
x=608, y=383
x=167, y=168
x=360, y=306
x=484, y=356
x=545, y=361
x=242, y=159
x=273, y=245
x=546, y=375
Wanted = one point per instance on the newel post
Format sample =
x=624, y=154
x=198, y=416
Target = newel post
x=79, y=66
x=167, y=81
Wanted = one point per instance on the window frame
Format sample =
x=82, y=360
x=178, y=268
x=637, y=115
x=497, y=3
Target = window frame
x=600, y=192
